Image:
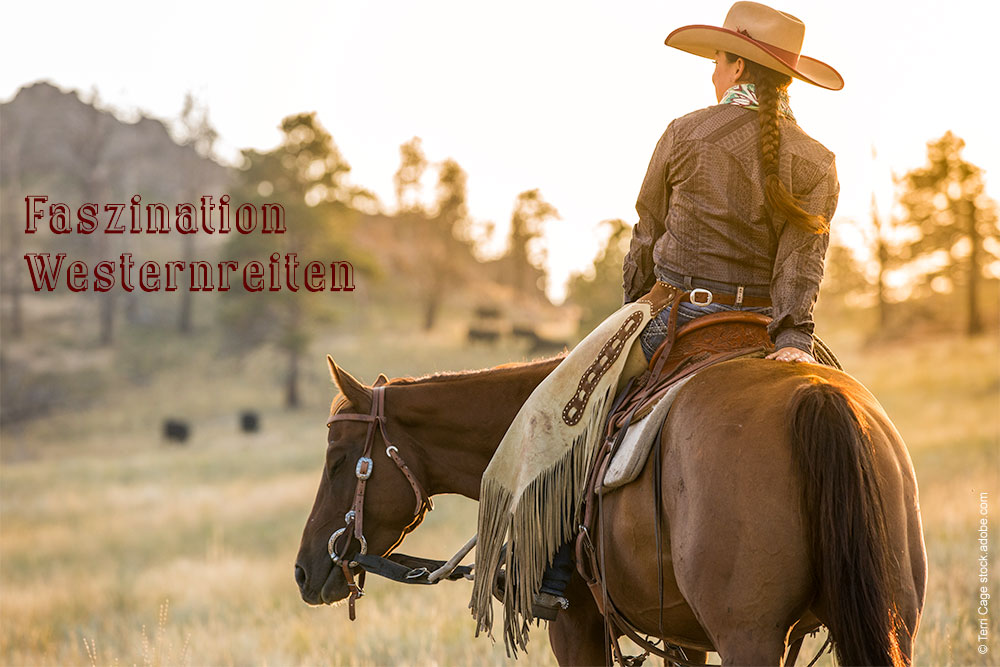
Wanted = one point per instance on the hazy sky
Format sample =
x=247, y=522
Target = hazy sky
x=568, y=97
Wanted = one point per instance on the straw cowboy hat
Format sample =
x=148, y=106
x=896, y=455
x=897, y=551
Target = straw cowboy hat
x=761, y=34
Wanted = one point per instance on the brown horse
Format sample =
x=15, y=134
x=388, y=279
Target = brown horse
x=788, y=500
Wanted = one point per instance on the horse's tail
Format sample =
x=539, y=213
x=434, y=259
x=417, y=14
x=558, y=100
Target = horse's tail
x=849, y=545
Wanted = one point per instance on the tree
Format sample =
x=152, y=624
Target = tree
x=411, y=217
x=452, y=208
x=412, y=165
x=193, y=129
x=435, y=237
x=446, y=253
x=949, y=216
x=306, y=174
x=598, y=291
x=854, y=277
x=525, y=254
x=11, y=189
x=857, y=273
x=882, y=259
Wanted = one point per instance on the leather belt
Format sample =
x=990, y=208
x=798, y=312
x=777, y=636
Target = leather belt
x=726, y=299
x=663, y=294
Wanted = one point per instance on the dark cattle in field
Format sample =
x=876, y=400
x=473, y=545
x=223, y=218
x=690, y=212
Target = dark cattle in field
x=523, y=331
x=483, y=335
x=175, y=431
x=487, y=312
x=249, y=421
x=541, y=345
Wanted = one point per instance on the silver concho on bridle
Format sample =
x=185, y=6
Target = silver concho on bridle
x=362, y=473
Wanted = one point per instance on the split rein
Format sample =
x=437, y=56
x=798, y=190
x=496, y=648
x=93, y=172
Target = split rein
x=405, y=569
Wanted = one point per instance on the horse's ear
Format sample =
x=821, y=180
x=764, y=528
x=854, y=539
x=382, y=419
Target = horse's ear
x=381, y=380
x=358, y=394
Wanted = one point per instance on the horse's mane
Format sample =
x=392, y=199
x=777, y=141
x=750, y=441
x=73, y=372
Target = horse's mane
x=340, y=400
x=451, y=376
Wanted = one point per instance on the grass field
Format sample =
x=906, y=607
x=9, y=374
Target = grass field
x=115, y=549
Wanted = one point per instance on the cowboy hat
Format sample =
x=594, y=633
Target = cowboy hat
x=761, y=34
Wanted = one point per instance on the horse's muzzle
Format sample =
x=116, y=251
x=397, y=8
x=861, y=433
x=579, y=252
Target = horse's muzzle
x=316, y=590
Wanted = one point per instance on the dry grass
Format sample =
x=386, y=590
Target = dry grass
x=117, y=550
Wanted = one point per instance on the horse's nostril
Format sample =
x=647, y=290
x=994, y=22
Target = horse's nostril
x=300, y=576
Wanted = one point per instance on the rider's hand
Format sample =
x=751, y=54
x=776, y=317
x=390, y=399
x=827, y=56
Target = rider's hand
x=791, y=354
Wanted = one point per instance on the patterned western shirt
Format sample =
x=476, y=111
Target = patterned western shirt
x=702, y=214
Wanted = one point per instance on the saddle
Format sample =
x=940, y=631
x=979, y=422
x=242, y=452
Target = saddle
x=705, y=341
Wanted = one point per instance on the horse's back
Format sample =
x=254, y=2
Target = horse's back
x=740, y=411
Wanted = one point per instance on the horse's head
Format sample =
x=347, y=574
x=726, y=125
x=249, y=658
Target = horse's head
x=364, y=503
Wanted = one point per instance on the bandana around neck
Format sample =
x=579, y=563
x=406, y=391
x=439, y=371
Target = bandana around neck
x=745, y=95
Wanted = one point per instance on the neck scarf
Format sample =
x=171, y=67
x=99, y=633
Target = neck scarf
x=745, y=95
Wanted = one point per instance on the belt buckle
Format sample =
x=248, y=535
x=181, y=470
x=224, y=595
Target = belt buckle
x=694, y=299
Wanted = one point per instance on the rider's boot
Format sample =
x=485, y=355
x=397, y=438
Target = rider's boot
x=551, y=597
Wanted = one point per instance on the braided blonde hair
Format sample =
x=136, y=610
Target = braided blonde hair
x=769, y=85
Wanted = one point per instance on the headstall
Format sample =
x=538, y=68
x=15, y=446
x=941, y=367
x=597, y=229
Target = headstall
x=363, y=470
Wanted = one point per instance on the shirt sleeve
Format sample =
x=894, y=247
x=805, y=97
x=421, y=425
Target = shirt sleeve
x=798, y=268
x=638, y=276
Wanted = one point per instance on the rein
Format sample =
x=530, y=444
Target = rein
x=355, y=516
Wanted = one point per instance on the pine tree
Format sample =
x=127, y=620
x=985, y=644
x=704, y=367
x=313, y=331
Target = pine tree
x=525, y=253
x=947, y=209
x=306, y=174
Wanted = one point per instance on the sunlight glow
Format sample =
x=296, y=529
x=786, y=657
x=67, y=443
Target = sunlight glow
x=518, y=96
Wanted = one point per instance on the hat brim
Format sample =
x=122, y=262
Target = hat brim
x=705, y=40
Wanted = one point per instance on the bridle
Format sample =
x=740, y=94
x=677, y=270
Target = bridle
x=363, y=470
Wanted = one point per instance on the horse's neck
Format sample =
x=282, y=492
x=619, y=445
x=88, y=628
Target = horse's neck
x=459, y=420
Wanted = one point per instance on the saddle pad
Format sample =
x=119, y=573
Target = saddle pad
x=628, y=461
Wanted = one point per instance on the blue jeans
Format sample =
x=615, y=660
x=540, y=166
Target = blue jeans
x=656, y=330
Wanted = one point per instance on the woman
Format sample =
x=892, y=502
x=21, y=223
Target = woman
x=735, y=211
x=737, y=200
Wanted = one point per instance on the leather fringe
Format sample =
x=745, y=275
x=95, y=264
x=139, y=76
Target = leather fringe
x=546, y=516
